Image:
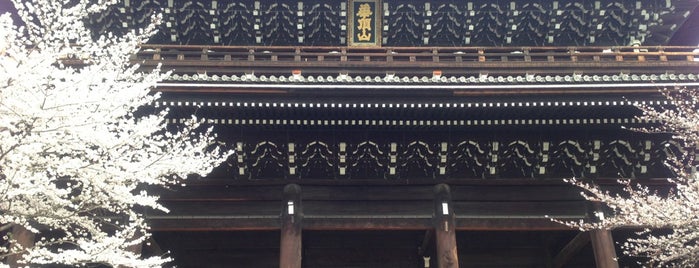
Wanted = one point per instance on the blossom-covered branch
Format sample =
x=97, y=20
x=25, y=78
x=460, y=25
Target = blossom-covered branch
x=76, y=149
x=676, y=210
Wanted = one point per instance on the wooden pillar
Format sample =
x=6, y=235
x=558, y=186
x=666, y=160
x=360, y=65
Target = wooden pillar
x=445, y=232
x=603, y=247
x=23, y=237
x=291, y=217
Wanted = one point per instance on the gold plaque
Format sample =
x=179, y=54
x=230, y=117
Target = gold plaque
x=364, y=23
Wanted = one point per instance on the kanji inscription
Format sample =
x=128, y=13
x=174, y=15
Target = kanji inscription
x=364, y=19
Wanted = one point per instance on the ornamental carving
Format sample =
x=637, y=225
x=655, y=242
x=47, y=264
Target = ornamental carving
x=467, y=159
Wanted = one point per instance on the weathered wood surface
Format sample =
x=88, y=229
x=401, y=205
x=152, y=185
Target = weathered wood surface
x=291, y=228
x=569, y=250
x=445, y=228
x=449, y=61
x=378, y=248
x=603, y=247
x=376, y=207
x=473, y=190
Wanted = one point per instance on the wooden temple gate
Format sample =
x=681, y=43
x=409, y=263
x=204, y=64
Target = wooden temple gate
x=410, y=133
x=447, y=160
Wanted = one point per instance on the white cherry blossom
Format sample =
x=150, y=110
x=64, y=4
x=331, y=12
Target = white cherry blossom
x=670, y=220
x=76, y=148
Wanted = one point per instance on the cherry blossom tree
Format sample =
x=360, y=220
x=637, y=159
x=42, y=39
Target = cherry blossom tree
x=676, y=211
x=80, y=139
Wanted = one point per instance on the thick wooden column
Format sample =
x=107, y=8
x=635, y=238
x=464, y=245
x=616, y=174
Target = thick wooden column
x=291, y=217
x=603, y=247
x=445, y=231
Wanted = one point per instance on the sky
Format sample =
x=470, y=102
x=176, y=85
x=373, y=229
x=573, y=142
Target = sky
x=5, y=6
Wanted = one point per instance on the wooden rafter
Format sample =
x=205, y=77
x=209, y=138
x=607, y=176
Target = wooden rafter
x=569, y=250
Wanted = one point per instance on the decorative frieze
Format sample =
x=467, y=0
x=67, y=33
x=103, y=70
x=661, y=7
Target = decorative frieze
x=462, y=159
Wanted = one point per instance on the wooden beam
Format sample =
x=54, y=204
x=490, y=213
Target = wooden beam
x=445, y=228
x=291, y=228
x=603, y=247
x=368, y=222
x=229, y=191
x=220, y=205
x=346, y=222
x=153, y=247
x=137, y=248
x=504, y=223
x=426, y=242
x=213, y=223
x=570, y=249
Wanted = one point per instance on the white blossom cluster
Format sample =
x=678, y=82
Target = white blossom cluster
x=676, y=211
x=76, y=151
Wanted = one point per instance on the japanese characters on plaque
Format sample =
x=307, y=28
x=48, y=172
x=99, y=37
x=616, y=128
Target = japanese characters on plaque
x=364, y=27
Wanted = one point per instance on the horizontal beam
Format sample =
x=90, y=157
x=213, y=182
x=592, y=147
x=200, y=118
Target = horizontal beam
x=369, y=215
x=347, y=223
x=571, y=88
x=385, y=194
x=492, y=182
x=419, y=60
x=510, y=224
x=184, y=223
x=224, y=193
x=208, y=205
x=307, y=55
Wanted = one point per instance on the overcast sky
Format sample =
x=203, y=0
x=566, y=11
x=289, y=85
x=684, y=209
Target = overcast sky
x=5, y=6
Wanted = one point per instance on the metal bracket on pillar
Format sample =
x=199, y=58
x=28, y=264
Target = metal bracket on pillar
x=291, y=227
x=445, y=231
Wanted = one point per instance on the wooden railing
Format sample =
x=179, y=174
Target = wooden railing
x=451, y=60
x=421, y=54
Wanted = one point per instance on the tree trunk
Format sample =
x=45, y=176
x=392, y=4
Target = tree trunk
x=25, y=238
